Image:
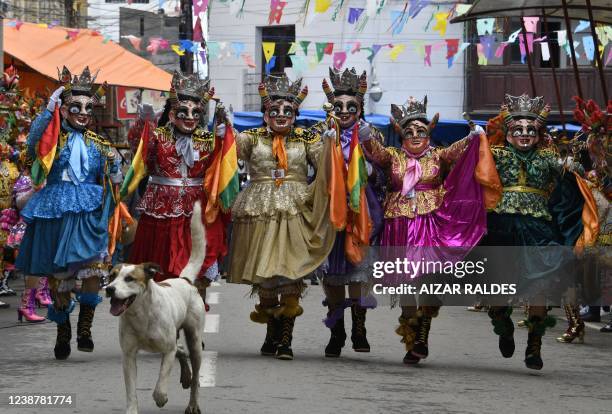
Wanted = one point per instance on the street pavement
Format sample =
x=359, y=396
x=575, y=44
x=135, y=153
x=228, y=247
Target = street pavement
x=464, y=373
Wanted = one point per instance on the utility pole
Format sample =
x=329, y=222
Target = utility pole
x=186, y=33
x=70, y=14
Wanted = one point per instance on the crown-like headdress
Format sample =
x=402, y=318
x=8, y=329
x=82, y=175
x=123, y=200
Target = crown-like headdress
x=83, y=84
x=281, y=87
x=517, y=107
x=345, y=83
x=412, y=110
x=190, y=86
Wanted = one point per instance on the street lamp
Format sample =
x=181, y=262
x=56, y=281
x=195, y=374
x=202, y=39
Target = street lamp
x=375, y=92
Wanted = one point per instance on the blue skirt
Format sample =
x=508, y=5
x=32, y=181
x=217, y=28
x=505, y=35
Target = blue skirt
x=57, y=245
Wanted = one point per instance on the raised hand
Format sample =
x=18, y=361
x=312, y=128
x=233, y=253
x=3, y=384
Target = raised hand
x=55, y=99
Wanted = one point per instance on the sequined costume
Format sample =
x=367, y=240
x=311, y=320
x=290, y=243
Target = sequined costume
x=66, y=236
x=267, y=218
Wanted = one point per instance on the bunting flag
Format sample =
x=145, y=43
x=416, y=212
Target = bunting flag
x=138, y=168
x=339, y=59
x=482, y=59
x=396, y=50
x=441, y=23
x=609, y=58
x=321, y=6
x=452, y=47
x=46, y=149
x=276, y=11
x=270, y=64
x=398, y=21
x=416, y=6
x=292, y=48
x=529, y=37
x=248, y=60
x=499, y=52
x=428, y=55
x=134, y=41
x=487, y=43
x=354, y=14
x=531, y=24
x=513, y=36
x=373, y=52
x=199, y=6
x=268, y=50
x=461, y=9
x=178, y=50
x=304, y=44
x=583, y=25
x=70, y=34
x=238, y=48
x=359, y=225
x=320, y=50
x=154, y=45
x=214, y=49
x=545, y=52
x=329, y=48
x=485, y=26
x=298, y=63
x=198, y=35
x=589, y=47
x=203, y=56
x=356, y=48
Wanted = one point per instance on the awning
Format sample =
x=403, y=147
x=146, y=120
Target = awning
x=45, y=50
x=577, y=9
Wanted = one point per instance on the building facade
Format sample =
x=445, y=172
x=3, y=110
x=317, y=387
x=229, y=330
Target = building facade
x=69, y=13
x=407, y=76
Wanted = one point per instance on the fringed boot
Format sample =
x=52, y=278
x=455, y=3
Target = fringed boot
x=407, y=329
x=421, y=344
x=335, y=322
x=61, y=316
x=287, y=312
x=575, y=328
x=358, y=331
x=504, y=328
x=265, y=315
x=537, y=327
x=87, y=309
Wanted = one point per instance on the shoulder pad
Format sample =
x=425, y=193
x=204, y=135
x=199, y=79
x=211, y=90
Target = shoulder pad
x=305, y=135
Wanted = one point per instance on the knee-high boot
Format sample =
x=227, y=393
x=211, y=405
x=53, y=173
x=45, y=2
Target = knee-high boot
x=87, y=309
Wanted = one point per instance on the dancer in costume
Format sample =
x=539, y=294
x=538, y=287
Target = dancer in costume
x=281, y=230
x=67, y=220
x=529, y=214
x=340, y=272
x=424, y=211
x=176, y=155
x=593, y=244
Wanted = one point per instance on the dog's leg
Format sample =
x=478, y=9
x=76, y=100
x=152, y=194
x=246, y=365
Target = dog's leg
x=185, y=370
x=193, y=338
x=129, y=375
x=160, y=394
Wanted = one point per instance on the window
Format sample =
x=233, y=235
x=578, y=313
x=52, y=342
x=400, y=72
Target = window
x=142, y=26
x=283, y=36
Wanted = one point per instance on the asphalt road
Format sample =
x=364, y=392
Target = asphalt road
x=464, y=373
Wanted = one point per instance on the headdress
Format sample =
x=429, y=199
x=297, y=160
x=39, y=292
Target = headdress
x=413, y=109
x=83, y=84
x=345, y=83
x=520, y=107
x=190, y=86
x=280, y=87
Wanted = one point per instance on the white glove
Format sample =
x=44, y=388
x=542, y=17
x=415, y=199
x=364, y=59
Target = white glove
x=220, y=131
x=54, y=99
x=329, y=134
x=476, y=131
x=146, y=112
x=364, y=132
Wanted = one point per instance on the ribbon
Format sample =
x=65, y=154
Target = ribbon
x=413, y=171
x=278, y=152
x=184, y=148
x=78, y=161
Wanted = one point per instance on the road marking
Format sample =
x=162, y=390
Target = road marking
x=212, y=298
x=211, y=323
x=208, y=369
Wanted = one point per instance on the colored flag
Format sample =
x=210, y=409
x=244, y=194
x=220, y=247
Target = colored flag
x=357, y=175
x=321, y=6
x=138, y=169
x=339, y=59
x=452, y=47
x=45, y=150
x=398, y=20
x=238, y=48
x=485, y=26
x=221, y=182
x=396, y=50
x=198, y=35
x=304, y=44
x=354, y=14
x=441, y=22
x=320, y=50
x=268, y=49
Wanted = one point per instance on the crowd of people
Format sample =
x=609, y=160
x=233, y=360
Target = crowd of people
x=62, y=188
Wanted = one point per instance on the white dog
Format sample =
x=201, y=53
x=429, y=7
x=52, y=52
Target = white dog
x=152, y=314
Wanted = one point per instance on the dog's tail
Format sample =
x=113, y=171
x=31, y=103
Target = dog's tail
x=198, y=245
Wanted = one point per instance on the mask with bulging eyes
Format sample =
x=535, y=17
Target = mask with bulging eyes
x=348, y=109
x=78, y=111
x=523, y=134
x=280, y=116
x=415, y=137
x=186, y=117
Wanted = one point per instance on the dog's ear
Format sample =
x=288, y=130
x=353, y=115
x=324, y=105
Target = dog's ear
x=113, y=273
x=151, y=269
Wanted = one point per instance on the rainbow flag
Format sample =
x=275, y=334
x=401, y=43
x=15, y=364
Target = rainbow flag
x=357, y=177
x=221, y=182
x=46, y=149
x=138, y=169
